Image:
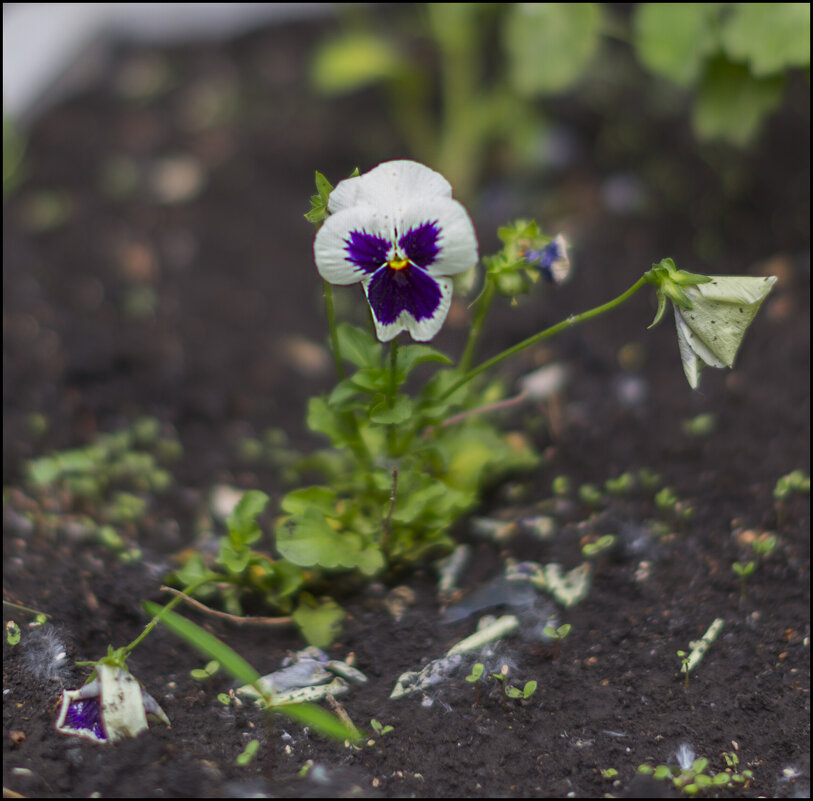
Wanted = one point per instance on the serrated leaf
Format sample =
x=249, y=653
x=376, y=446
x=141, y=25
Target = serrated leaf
x=242, y=523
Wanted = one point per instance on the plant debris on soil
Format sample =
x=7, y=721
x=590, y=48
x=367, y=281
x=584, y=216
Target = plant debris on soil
x=157, y=264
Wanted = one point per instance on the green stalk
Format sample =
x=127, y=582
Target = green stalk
x=483, y=305
x=128, y=649
x=574, y=319
x=334, y=336
x=392, y=392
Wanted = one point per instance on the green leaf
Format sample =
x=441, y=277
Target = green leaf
x=401, y=411
x=549, y=45
x=358, y=346
x=410, y=356
x=319, y=622
x=353, y=61
x=732, y=103
x=234, y=559
x=317, y=497
x=306, y=539
x=675, y=39
x=242, y=523
x=771, y=37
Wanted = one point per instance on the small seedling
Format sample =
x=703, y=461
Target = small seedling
x=12, y=633
x=590, y=550
x=609, y=774
x=590, y=495
x=248, y=754
x=557, y=635
x=202, y=674
x=764, y=545
x=477, y=670
x=622, y=485
x=525, y=693
x=379, y=728
x=561, y=486
x=692, y=779
x=700, y=426
x=684, y=663
x=743, y=570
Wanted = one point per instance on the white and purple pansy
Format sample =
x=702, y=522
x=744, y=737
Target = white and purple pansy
x=552, y=260
x=398, y=232
x=109, y=708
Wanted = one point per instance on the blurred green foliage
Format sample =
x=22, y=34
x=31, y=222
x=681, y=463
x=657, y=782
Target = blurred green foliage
x=463, y=77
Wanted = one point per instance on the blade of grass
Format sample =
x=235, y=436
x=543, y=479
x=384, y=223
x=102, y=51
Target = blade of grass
x=307, y=714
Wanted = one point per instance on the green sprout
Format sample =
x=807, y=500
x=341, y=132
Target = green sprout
x=684, y=665
x=206, y=672
x=695, y=779
x=247, y=755
x=379, y=728
x=743, y=570
x=12, y=633
x=557, y=635
x=606, y=542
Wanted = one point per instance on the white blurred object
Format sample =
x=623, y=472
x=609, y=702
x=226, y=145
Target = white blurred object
x=52, y=49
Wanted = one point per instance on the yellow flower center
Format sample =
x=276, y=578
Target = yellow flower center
x=398, y=264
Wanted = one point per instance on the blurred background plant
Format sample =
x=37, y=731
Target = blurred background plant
x=467, y=81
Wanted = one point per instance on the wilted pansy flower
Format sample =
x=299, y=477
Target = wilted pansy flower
x=398, y=232
x=711, y=331
x=552, y=260
x=109, y=708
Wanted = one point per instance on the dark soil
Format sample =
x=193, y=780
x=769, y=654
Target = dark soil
x=202, y=312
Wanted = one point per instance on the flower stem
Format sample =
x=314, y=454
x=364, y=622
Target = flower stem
x=334, y=336
x=188, y=590
x=392, y=392
x=574, y=319
x=483, y=305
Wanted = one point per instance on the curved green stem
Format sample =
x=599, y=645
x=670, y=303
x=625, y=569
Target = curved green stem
x=188, y=590
x=478, y=318
x=334, y=336
x=574, y=319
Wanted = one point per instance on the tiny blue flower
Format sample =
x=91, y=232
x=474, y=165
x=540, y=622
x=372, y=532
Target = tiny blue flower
x=552, y=260
x=398, y=232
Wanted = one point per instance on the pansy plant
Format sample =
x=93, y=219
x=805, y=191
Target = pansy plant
x=403, y=466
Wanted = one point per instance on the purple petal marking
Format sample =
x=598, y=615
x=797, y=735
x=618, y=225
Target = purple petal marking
x=420, y=244
x=367, y=251
x=546, y=258
x=411, y=289
x=86, y=715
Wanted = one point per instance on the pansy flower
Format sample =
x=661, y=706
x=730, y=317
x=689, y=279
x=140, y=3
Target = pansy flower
x=398, y=232
x=551, y=260
x=109, y=708
x=710, y=332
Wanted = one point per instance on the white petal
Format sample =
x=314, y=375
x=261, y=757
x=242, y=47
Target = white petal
x=723, y=308
x=693, y=351
x=736, y=288
x=397, y=182
x=329, y=247
x=423, y=330
x=344, y=194
x=458, y=242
